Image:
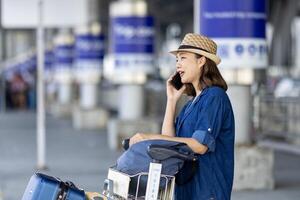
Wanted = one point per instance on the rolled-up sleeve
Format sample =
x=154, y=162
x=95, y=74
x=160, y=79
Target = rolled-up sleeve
x=205, y=138
x=209, y=123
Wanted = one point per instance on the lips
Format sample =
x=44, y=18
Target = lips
x=181, y=73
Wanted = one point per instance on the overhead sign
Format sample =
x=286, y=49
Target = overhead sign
x=57, y=13
x=133, y=42
x=89, y=47
x=239, y=29
x=89, y=53
x=64, y=55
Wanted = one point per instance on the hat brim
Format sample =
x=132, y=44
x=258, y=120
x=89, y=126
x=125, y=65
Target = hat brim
x=213, y=57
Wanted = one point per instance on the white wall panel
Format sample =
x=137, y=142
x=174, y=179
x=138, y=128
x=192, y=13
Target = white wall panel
x=57, y=13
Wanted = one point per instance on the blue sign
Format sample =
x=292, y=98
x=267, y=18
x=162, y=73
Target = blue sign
x=9, y=72
x=262, y=49
x=63, y=55
x=223, y=51
x=98, y=46
x=233, y=18
x=23, y=67
x=29, y=64
x=239, y=29
x=252, y=49
x=239, y=49
x=49, y=59
x=32, y=62
x=90, y=47
x=133, y=34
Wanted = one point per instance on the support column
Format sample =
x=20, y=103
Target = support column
x=89, y=52
x=132, y=101
x=132, y=52
x=242, y=111
x=280, y=51
x=63, y=73
x=88, y=95
x=242, y=48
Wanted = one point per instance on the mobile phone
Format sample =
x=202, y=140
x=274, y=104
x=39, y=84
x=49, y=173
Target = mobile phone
x=176, y=81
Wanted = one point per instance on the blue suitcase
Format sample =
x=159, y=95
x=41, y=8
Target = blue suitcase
x=44, y=187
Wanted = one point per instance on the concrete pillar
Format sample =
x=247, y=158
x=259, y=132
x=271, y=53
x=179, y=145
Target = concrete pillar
x=280, y=51
x=89, y=50
x=241, y=101
x=63, y=73
x=64, y=93
x=88, y=95
x=296, y=42
x=63, y=52
x=242, y=48
x=132, y=49
x=131, y=104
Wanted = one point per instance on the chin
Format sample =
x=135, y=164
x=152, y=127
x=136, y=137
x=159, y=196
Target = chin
x=184, y=81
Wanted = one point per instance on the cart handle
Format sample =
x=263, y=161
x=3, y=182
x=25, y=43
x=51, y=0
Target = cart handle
x=160, y=153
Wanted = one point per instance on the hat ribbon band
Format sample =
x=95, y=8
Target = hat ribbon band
x=191, y=47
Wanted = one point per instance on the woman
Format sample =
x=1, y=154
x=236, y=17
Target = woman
x=206, y=122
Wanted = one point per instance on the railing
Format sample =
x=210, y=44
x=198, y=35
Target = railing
x=279, y=121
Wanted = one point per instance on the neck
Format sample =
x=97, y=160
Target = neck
x=198, y=92
x=197, y=88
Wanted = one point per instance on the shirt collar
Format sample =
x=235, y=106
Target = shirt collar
x=196, y=98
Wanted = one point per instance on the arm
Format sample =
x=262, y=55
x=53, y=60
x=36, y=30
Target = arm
x=208, y=127
x=191, y=142
x=168, y=123
x=173, y=96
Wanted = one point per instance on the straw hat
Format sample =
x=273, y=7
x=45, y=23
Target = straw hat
x=199, y=44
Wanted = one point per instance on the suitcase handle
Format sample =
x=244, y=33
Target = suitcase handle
x=160, y=153
x=125, y=143
x=62, y=194
x=64, y=187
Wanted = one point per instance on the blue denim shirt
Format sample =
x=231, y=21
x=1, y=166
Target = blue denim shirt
x=209, y=120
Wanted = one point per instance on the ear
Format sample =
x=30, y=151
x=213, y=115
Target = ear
x=201, y=61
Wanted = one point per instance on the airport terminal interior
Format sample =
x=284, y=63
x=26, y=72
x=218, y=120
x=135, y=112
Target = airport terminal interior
x=78, y=77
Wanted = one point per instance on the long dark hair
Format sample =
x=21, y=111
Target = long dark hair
x=210, y=76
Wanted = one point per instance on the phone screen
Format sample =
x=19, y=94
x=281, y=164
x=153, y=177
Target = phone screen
x=176, y=81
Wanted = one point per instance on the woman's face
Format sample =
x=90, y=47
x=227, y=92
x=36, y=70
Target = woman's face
x=189, y=67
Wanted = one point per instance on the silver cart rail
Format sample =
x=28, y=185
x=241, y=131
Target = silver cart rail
x=120, y=186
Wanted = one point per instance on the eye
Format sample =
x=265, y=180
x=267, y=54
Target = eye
x=183, y=58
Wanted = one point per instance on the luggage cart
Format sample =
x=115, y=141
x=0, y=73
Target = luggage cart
x=120, y=186
x=149, y=186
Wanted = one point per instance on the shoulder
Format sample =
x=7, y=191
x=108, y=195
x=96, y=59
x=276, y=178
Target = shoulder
x=216, y=95
x=215, y=91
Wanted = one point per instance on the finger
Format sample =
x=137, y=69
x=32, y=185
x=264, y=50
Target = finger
x=182, y=88
x=169, y=81
x=132, y=141
x=170, y=78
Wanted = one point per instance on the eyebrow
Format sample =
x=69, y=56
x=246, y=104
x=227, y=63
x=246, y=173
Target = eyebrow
x=180, y=54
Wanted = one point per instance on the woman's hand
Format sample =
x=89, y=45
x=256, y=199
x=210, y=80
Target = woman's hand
x=138, y=137
x=172, y=92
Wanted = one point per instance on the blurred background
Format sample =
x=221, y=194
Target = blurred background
x=79, y=76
